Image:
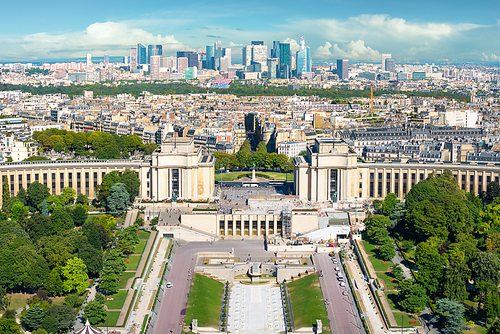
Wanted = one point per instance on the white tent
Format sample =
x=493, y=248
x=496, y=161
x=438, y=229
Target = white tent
x=87, y=329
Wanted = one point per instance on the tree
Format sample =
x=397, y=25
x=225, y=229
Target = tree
x=449, y=314
x=389, y=203
x=387, y=251
x=495, y=328
x=40, y=331
x=54, y=284
x=9, y=326
x=34, y=317
x=125, y=246
x=79, y=215
x=397, y=214
x=9, y=314
x=492, y=191
x=82, y=199
x=303, y=153
x=486, y=268
x=95, y=312
x=58, y=318
x=139, y=221
x=91, y=257
x=118, y=199
x=69, y=195
x=412, y=296
x=377, y=204
x=109, y=281
x=110, y=179
x=21, y=196
x=61, y=220
x=397, y=272
x=430, y=264
x=5, y=195
x=37, y=192
x=132, y=183
x=75, y=276
x=456, y=274
x=4, y=299
x=18, y=212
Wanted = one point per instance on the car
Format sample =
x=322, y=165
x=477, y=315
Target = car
x=334, y=261
x=169, y=284
x=337, y=268
x=342, y=284
x=345, y=293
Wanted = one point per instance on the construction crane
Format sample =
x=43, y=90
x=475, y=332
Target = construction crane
x=371, y=99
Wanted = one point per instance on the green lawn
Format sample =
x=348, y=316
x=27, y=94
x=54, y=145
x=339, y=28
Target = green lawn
x=405, y=320
x=18, y=300
x=112, y=318
x=125, y=277
x=144, y=235
x=379, y=265
x=133, y=262
x=139, y=248
x=91, y=217
x=388, y=283
x=237, y=175
x=370, y=248
x=205, y=302
x=391, y=299
x=307, y=303
x=118, y=300
x=477, y=330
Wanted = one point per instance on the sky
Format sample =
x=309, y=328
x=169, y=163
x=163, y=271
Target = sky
x=358, y=30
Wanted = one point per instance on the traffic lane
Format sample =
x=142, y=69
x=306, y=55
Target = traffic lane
x=339, y=305
x=174, y=300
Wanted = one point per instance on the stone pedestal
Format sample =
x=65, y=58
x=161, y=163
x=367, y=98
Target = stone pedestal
x=253, y=175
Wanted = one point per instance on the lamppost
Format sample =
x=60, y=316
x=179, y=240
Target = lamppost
x=402, y=319
x=107, y=325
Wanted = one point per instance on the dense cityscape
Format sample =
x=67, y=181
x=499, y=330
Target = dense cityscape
x=260, y=187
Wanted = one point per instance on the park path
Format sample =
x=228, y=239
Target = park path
x=130, y=218
x=381, y=294
x=138, y=273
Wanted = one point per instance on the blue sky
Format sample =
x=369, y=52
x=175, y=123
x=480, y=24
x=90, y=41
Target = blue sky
x=359, y=30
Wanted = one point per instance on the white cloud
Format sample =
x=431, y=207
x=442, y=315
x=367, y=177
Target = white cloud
x=354, y=50
x=491, y=57
x=294, y=46
x=110, y=37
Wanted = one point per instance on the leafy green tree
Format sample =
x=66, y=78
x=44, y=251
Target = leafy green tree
x=412, y=296
x=69, y=195
x=45, y=210
x=118, y=200
x=21, y=196
x=4, y=299
x=9, y=326
x=54, y=284
x=492, y=191
x=5, y=195
x=109, y=281
x=456, y=274
x=397, y=272
x=82, y=199
x=430, y=265
x=495, y=328
x=9, y=314
x=449, y=314
x=110, y=179
x=18, y=212
x=40, y=331
x=39, y=226
x=377, y=204
x=95, y=312
x=34, y=317
x=37, y=192
x=389, y=203
x=386, y=251
x=61, y=220
x=486, y=268
x=397, y=214
x=91, y=257
x=32, y=267
x=58, y=318
x=125, y=246
x=75, y=276
x=73, y=301
x=303, y=153
x=79, y=215
x=97, y=235
x=132, y=183
x=139, y=221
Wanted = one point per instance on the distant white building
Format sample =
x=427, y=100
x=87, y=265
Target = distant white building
x=291, y=148
x=17, y=150
x=463, y=118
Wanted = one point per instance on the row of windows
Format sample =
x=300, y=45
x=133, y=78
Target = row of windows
x=243, y=228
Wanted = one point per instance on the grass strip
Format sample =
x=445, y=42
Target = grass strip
x=205, y=302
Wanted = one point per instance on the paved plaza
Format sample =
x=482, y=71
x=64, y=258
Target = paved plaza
x=255, y=309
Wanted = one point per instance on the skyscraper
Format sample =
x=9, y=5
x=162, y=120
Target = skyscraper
x=343, y=69
x=191, y=56
x=390, y=65
x=227, y=56
x=257, y=43
x=271, y=68
x=384, y=57
x=154, y=50
x=259, y=53
x=246, y=55
x=141, y=54
x=303, y=58
x=275, y=51
x=89, y=60
x=155, y=67
x=182, y=64
x=106, y=59
x=210, y=57
x=133, y=59
x=285, y=58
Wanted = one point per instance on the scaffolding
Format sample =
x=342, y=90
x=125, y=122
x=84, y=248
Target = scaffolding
x=286, y=218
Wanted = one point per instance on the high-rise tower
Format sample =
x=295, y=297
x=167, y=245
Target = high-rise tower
x=141, y=54
x=303, y=58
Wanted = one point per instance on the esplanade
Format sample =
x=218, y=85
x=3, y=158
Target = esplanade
x=331, y=171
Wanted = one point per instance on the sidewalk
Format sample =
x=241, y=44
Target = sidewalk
x=138, y=273
x=381, y=294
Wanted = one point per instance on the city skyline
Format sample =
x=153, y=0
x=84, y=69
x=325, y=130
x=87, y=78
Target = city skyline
x=358, y=31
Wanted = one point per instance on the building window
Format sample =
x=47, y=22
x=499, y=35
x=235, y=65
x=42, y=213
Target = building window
x=388, y=183
x=78, y=183
x=175, y=181
x=95, y=181
x=70, y=180
x=371, y=185
x=45, y=178
x=87, y=183
x=20, y=180
x=379, y=190
x=421, y=176
x=61, y=181
x=36, y=178
x=334, y=196
x=471, y=188
x=463, y=182
x=405, y=184
x=53, y=183
x=396, y=184
x=28, y=180
x=12, y=185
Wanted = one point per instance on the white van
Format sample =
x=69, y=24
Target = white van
x=339, y=274
x=342, y=284
x=337, y=268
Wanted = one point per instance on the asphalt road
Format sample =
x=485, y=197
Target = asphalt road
x=173, y=302
x=340, y=313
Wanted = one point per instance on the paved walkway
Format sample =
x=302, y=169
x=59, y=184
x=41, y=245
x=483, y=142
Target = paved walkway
x=142, y=264
x=381, y=294
x=130, y=218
